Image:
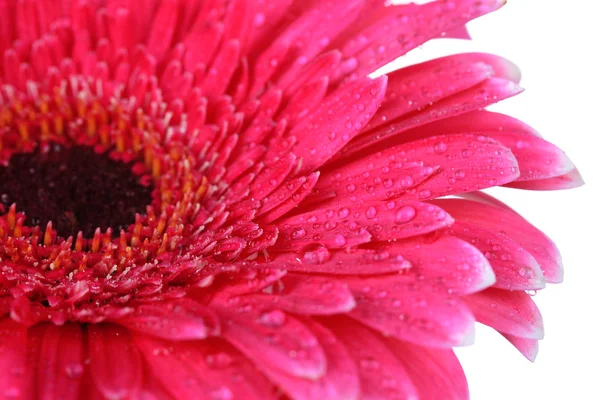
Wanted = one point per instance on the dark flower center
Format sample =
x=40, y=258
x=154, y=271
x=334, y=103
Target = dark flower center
x=75, y=187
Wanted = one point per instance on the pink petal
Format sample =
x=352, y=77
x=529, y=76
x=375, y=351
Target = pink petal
x=511, y=312
x=182, y=319
x=409, y=89
x=528, y=347
x=201, y=45
x=310, y=295
x=353, y=262
x=340, y=380
x=312, y=32
x=199, y=370
x=220, y=73
x=402, y=308
x=537, y=158
x=512, y=225
x=489, y=92
x=106, y=341
x=514, y=267
x=305, y=101
x=271, y=177
x=291, y=199
x=463, y=162
x=274, y=339
x=382, y=375
x=331, y=235
x=162, y=29
x=449, y=263
x=433, y=371
x=13, y=347
x=404, y=24
x=61, y=369
x=383, y=220
x=353, y=184
x=570, y=180
x=338, y=120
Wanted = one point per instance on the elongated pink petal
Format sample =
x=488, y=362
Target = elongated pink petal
x=404, y=23
x=507, y=222
x=511, y=312
x=382, y=376
x=13, y=347
x=537, y=158
x=271, y=177
x=514, y=267
x=570, y=180
x=340, y=380
x=310, y=295
x=183, y=319
x=462, y=163
x=528, y=347
x=287, y=199
x=389, y=220
x=433, y=371
x=452, y=264
x=488, y=92
x=61, y=368
x=319, y=259
x=409, y=89
x=198, y=370
x=274, y=339
x=338, y=120
x=106, y=341
x=402, y=309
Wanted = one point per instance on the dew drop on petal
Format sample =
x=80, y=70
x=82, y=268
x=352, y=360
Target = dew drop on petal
x=405, y=214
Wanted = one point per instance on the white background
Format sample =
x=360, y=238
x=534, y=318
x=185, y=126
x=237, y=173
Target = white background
x=556, y=43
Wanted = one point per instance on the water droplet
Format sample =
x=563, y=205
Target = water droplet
x=74, y=370
x=298, y=233
x=405, y=214
x=272, y=319
x=340, y=240
x=222, y=393
x=371, y=212
x=343, y=213
x=439, y=147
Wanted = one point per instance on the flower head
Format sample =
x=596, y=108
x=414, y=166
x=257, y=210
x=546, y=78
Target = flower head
x=213, y=199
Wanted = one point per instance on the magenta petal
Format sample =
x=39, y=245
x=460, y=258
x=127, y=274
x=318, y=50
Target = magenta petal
x=412, y=88
x=340, y=380
x=337, y=121
x=354, y=262
x=13, y=347
x=503, y=220
x=451, y=263
x=182, y=319
x=382, y=375
x=106, y=341
x=514, y=267
x=199, y=370
x=433, y=371
x=383, y=220
x=528, y=347
x=512, y=312
x=406, y=310
x=271, y=177
x=372, y=46
x=310, y=295
x=60, y=372
x=477, y=97
x=463, y=163
x=288, y=197
x=570, y=180
x=274, y=339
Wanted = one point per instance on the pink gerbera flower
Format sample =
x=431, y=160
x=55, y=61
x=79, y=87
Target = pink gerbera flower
x=213, y=200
